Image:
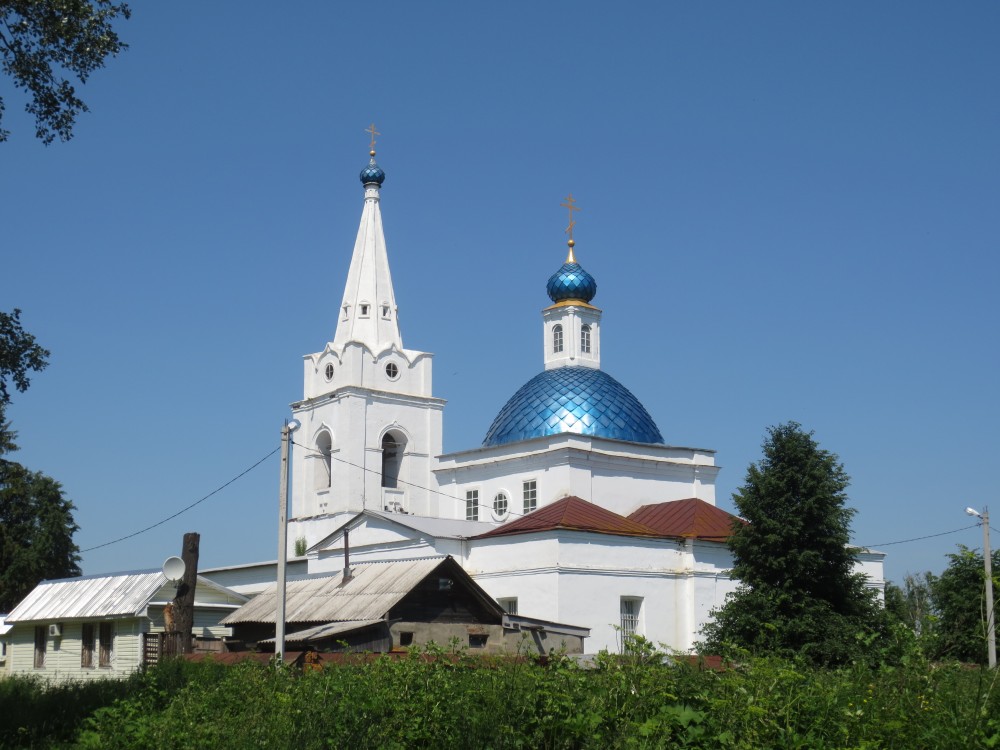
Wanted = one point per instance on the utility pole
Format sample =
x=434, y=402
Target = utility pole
x=991, y=628
x=279, y=617
x=991, y=632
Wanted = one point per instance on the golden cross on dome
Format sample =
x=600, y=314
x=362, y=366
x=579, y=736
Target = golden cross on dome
x=371, y=129
x=570, y=204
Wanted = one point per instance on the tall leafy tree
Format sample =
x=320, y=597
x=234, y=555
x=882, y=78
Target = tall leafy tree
x=36, y=532
x=959, y=603
x=36, y=520
x=19, y=355
x=913, y=603
x=44, y=41
x=798, y=593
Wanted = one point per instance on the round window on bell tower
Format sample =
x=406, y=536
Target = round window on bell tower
x=391, y=371
x=329, y=372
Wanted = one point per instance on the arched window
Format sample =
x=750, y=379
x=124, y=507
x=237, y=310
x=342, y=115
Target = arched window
x=323, y=471
x=585, y=340
x=557, y=338
x=392, y=459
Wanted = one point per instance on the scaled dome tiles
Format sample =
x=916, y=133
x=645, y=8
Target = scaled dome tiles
x=372, y=174
x=579, y=400
x=571, y=282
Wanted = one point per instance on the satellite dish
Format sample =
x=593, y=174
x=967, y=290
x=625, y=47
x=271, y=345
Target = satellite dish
x=173, y=568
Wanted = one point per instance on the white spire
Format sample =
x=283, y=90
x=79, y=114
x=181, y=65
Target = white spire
x=368, y=310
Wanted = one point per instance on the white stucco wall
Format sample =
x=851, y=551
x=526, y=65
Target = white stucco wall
x=617, y=475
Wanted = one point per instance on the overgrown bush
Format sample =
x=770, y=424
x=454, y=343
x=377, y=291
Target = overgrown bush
x=642, y=699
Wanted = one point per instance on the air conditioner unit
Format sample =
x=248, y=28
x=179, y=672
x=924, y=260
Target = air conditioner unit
x=55, y=630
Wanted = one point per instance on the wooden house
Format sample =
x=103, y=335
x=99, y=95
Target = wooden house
x=106, y=625
x=381, y=606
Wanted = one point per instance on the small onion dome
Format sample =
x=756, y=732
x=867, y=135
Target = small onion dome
x=580, y=400
x=372, y=173
x=571, y=282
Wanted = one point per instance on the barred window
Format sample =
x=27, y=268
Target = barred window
x=472, y=505
x=557, y=338
x=530, y=495
x=630, y=609
x=508, y=605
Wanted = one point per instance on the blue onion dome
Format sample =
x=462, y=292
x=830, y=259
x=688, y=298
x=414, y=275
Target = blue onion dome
x=571, y=282
x=580, y=400
x=372, y=173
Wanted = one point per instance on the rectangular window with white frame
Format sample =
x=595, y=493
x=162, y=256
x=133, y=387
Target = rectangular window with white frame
x=530, y=491
x=472, y=505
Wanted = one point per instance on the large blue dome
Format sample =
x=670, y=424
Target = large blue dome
x=581, y=400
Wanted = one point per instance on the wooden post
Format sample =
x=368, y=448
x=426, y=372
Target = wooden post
x=184, y=600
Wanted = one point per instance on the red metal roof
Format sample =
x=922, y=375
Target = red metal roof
x=573, y=514
x=690, y=519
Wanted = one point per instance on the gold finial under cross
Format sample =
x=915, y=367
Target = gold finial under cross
x=371, y=129
x=570, y=204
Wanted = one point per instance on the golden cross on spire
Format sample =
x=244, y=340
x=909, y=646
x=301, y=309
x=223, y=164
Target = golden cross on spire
x=570, y=204
x=371, y=129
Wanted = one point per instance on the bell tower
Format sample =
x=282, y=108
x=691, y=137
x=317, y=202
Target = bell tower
x=370, y=427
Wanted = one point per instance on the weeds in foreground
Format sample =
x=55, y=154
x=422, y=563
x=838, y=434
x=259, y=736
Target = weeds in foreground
x=433, y=699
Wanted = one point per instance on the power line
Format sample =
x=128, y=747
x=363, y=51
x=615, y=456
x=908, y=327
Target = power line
x=317, y=454
x=184, y=510
x=918, y=538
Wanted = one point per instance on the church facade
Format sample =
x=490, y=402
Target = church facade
x=574, y=508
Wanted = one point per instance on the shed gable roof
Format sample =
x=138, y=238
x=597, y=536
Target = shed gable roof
x=113, y=595
x=373, y=589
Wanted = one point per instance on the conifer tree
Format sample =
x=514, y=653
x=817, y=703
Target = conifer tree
x=798, y=593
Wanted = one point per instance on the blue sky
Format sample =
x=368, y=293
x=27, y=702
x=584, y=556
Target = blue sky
x=791, y=211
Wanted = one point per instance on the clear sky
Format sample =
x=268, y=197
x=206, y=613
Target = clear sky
x=791, y=211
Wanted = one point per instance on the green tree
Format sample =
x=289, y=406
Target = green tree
x=36, y=532
x=960, y=605
x=36, y=520
x=19, y=355
x=43, y=41
x=913, y=603
x=798, y=593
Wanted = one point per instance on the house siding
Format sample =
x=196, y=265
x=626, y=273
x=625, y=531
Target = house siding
x=63, y=655
x=206, y=622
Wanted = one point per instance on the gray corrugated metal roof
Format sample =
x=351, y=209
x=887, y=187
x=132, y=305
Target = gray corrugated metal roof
x=94, y=596
x=113, y=595
x=371, y=592
x=327, y=630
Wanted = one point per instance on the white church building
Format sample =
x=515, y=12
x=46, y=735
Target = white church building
x=574, y=509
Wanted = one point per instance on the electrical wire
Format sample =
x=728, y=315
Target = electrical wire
x=183, y=510
x=918, y=538
x=316, y=454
